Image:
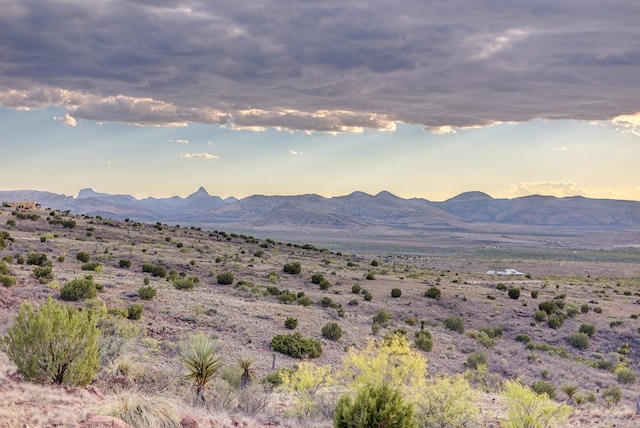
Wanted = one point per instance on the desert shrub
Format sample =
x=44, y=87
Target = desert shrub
x=612, y=395
x=523, y=338
x=61, y=258
x=396, y=292
x=556, y=321
x=502, y=287
x=83, y=257
x=584, y=308
x=324, y=285
x=572, y=311
x=287, y=297
x=356, y=288
x=588, y=329
x=475, y=359
x=54, y=344
x=78, y=289
x=305, y=301
x=543, y=387
x=375, y=263
x=134, y=312
x=92, y=266
x=184, y=283
x=424, y=341
x=368, y=296
x=11, y=223
x=534, y=294
x=137, y=409
x=20, y=259
x=124, y=263
x=540, y=316
x=597, y=310
x=292, y=268
x=553, y=350
x=154, y=270
x=454, y=324
x=382, y=318
x=7, y=280
x=433, y=293
x=317, y=278
x=492, y=332
x=526, y=409
x=37, y=259
x=331, y=331
x=514, y=293
x=43, y=274
x=370, y=276
x=625, y=375
x=291, y=323
x=225, y=278
x=147, y=293
x=297, y=346
x=374, y=406
x=579, y=340
x=548, y=306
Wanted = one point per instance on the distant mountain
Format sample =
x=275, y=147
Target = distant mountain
x=345, y=213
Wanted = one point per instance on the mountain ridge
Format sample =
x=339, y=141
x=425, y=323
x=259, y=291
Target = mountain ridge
x=348, y=212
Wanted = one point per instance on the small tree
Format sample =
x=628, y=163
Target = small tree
x=514, y=293
x=526, y=409
x=292, y=268
x=248, y=374
x=78, y=289
x=374, y=406
x=55, y=344
x=396, y=292
x=201, y=363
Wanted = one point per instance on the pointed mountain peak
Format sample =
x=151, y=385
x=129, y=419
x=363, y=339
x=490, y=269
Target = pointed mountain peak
x=87, y=193
x=201, y=193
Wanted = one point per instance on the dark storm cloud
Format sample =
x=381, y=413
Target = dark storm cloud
x=331, y=66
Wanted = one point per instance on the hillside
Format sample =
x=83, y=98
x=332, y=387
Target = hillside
x=244, y=316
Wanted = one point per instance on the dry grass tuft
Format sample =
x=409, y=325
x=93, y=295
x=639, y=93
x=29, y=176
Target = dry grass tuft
x=141, y=411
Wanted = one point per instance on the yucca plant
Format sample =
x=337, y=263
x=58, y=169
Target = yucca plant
x=201, y=363
x=248, y=374
x=569, y=388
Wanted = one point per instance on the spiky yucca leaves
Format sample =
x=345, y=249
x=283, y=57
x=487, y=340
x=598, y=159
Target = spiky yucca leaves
x=201, y=363
x=248, y=374
x=570, y=388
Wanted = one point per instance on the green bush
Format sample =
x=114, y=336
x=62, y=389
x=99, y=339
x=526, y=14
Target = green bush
x=548, y=306
x=292, y=268
x=540, y=316
x=125, y=264
x=502, y=287
x=273, y=290
x=588, y=329
x=475, y=359
x=368, y=296
x=626, y=375
x=43, y=274
x=556, y=321
x=37, y=259
x=382, y=318
x=296, y=346
x=156, y=271
x=523, y=338
x=7, y=280
x=147, y=293
x=579, y=340
x=375, y=263
x=424, y=341
x=332, y=331
x=83, y=257
x=370, y=276
x=396, y=292
x=134, y=312
x=374, y=406
x=492, y=332
x=534, y=294
x=324, y=285
x=78, y=289
x=305, y=301
x=454, y=324
x=433, y=293
x=225, y=278
x=584, y=308
x=317, y=278
x=291, y=323
x=92, y=266
x=184, y=283
x=597, y=310
x=514, y=293
x=542, y=387
x=612, y=395
x=55, y=344
x=356, y=288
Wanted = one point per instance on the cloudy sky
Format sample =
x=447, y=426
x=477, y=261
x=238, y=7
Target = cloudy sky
x=417, y=97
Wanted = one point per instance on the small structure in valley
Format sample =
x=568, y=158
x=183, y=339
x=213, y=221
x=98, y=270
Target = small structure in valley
x=23, y=206
x=504, y=272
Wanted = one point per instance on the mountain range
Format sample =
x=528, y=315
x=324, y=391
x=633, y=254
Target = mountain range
x=351, y=212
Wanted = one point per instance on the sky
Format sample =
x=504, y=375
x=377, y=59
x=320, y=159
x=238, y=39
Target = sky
x=420, y=98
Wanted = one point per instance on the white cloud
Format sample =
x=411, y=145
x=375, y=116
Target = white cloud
x=66, y=120
x=442, y=130
x=560, y=149
x=295, y=153
x=199, y=156
x=548, y=188
x=628, y=123
x=179, y=141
